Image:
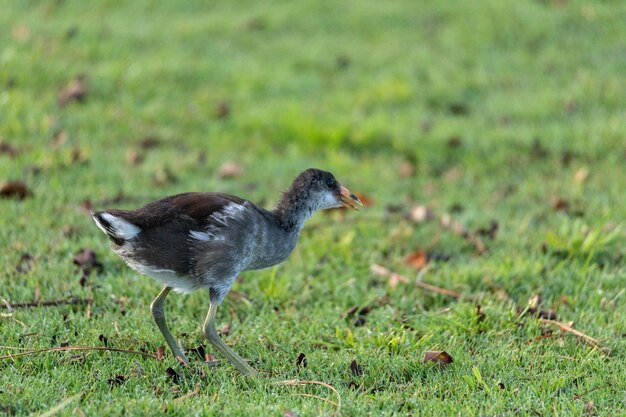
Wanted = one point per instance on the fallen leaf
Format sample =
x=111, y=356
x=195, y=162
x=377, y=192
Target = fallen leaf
x=342, y=62
x=86, y=205
x=534, y=308
x=359, y=321
x=420, y=213
x=397, y=279
x=581, y=175
x=15, y=189
x=160, y=353
x=589, y=408
x=407, y=169
x=117, y=380
x=175, y=376
x=211, y=360
x=25, y=263
x=571, y=106
x=164, y=176
x=37, y=295
x=230, y=169
x=365, y=199
x=561, y=204
x=458, y=108
x=537, y=150
x=8, y=149
x=453, y=174
x=480, y=314
x=77, y=156
x=104, y=340
x=491, y=231
x=289, y=413
x=59, y=138
x=454, y=142
x=75, y=90
x=86, y=260
x=224, y=330
x=71, y=32
x=417, y=259
x=137, y=369
x=222, y=110
x=394, y=279
x=133, y=157
x=440, y=357
x=355, y=368
x=566, y=158
x=534, y=301
x=256, y=23
x=21, y=33
x=301, y=361
x=149, y=142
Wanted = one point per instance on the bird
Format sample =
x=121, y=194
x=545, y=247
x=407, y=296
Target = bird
x=205, y=240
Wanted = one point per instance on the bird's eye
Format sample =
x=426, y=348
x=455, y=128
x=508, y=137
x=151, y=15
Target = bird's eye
x=330, y=183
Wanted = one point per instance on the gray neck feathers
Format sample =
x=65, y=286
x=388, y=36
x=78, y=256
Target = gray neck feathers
x=294, y=208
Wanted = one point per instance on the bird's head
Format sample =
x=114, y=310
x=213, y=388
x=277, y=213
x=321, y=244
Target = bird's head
x=323, y=191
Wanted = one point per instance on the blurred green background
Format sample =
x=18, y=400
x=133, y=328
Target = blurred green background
x=499, y=113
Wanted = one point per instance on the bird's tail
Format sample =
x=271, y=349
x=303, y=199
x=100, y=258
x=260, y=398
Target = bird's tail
x=116, y=228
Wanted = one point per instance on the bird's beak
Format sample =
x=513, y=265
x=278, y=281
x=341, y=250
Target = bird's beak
x=348, y=199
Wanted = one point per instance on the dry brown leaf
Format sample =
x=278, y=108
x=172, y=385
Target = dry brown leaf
x=301, y=361
x=25, y=264
x=355, y=368
x=8, y=149
x=560, y=204
x=160, y=353
x=149, y=142
x=222, y=110
x=117, y=380
x=59, y=138
x=175, y=376
x=15, y=189
x=365, y=199
x=21, y=33
x=75, y=90
x=230, y=169
x=453, y=174
x=407, y=169
x=454, y=142
x=164, y=176
x=224, y=330
x=418, y=259
x=133, y=157
x=581, y=175
x=441, y=357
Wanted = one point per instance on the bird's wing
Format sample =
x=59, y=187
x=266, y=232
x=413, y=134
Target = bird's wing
x=169, y=233
x=188, y=207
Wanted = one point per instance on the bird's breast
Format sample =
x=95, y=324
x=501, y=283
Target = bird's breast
x=271, y=246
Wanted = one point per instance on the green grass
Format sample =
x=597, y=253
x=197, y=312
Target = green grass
x=533, y=94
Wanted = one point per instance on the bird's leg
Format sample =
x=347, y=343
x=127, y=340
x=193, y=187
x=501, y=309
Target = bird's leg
x=211, y=334
x=159, y=317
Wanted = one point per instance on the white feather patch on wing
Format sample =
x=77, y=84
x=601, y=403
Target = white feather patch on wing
x=199, y=235
x=121, y=227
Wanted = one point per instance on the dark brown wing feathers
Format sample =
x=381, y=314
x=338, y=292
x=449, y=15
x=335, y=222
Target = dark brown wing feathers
x=188, y=208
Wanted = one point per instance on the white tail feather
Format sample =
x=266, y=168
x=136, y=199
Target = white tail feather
x=118, y=227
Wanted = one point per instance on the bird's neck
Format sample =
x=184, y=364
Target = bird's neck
x=293, y=211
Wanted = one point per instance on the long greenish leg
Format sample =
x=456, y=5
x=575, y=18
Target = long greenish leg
x=211, y=334
x=156, y=308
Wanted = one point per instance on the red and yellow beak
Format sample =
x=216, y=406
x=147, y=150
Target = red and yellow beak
x=348, y=199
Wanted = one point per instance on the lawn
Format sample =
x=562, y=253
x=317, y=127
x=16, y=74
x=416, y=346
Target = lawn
x=489, y=139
